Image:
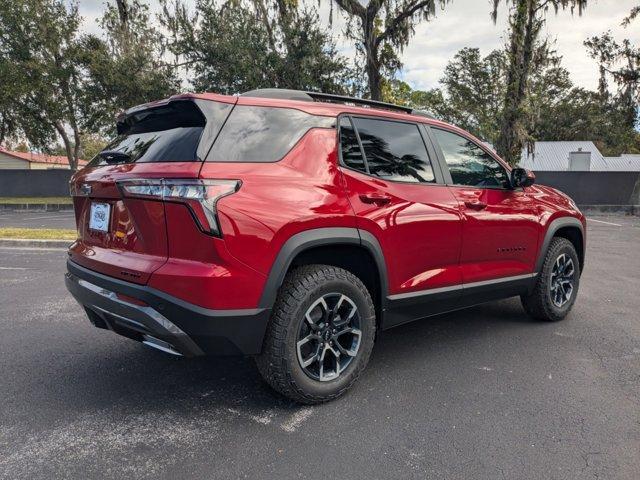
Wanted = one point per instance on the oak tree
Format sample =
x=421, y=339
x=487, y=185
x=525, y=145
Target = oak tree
x=525, y=23
x=381, y=29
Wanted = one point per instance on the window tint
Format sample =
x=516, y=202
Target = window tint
x=170, y=133
x=394, y=150
x=351, y=153
x=262, y=134
x=468, y=163
x=216, y=113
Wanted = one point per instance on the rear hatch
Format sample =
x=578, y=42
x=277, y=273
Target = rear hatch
x=119, y=198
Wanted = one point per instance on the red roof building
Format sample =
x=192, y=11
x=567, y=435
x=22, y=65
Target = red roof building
x=10, y=159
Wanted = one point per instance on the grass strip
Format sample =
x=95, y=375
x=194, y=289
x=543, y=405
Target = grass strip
x=38, y=233
x=36, y=200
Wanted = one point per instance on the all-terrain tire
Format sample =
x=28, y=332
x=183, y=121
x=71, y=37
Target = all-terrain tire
x=539, y=304
x=279, y=361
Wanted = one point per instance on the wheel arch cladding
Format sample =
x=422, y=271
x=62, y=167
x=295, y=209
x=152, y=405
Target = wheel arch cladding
x=566, y=227
x=354, y=250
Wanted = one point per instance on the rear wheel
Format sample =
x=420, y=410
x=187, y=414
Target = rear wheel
x=557, y=283
x=320, y=335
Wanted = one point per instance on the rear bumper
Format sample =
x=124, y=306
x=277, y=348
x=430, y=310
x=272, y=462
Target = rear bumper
x=163, y=321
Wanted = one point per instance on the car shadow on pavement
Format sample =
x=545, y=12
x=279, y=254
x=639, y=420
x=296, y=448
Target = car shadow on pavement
x=130, y=377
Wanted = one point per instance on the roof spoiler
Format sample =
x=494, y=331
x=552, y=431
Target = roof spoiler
x=125, y=120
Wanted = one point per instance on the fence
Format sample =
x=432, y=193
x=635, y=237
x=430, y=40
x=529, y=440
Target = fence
x=586, y=188
x=595, y=188
x=34, y=183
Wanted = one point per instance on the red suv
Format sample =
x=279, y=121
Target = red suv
x=294, y=226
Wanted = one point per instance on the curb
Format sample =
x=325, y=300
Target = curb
x=46, y=207
x=626, y=209
x=34, y=243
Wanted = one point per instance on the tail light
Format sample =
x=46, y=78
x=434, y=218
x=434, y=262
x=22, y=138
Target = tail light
x=201, y=196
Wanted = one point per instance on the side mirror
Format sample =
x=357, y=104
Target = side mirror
x=521, y=177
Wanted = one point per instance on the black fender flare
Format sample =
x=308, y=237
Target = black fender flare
x=320, y=237
x=553, y=227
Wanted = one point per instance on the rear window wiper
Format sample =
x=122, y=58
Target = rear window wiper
x=115, y=156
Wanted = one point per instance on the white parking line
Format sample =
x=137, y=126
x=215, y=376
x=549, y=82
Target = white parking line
x=606, y=223
x=296, y=419
x=49, y=217
x=17, y=250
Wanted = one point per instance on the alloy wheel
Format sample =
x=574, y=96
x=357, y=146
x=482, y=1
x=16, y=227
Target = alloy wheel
x=562, y=278
x=329, y=337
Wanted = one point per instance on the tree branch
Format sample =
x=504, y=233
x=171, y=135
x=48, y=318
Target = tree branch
x=635, y=11
x=403, y=16
x=352, y=7
x=262, y=8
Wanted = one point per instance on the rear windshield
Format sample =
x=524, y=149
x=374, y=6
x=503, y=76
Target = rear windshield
x=170, y=133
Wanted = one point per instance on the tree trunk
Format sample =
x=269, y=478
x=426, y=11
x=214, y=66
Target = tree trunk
x=77, y=147
x=375, y=80
x=371, y=53
x=71, y=150
x=123, y=14
x=72, y=153
x=524, y=32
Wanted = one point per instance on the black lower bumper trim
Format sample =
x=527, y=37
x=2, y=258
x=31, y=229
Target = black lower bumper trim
x=188, y=329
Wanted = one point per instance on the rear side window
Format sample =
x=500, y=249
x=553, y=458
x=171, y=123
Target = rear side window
x=394, y=150
x=350, y=148
x=262, y=134
x=170, y=133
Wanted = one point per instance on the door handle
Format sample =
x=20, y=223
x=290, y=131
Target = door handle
x=375, y=198
x=475, y=205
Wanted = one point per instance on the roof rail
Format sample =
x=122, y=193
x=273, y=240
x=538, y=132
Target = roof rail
x=328, y=97
x=424, y=113
x=287, y=94
x=281, y=93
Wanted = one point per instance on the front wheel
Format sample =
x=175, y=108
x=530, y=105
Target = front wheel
x=320, y=335
x=557, y=284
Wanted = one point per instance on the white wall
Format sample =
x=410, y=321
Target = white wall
x=48, y=166
x=13, y=163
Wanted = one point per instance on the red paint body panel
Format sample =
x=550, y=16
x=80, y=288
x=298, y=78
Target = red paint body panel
x=130, y=251
x=419, y=230
x=301, y=192
x=200, y=270
x=553, y=204
x=136, y=244
x=501, y=239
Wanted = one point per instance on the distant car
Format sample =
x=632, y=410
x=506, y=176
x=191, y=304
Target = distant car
x=293, y=226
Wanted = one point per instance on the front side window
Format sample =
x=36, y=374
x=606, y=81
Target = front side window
x=468, y=163
x=394, y=150
x=262, y=134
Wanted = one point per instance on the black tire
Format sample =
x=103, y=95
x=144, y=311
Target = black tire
x=279, y=361
x=541, y=304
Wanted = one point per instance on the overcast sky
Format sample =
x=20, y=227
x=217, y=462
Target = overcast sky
x=466, y=23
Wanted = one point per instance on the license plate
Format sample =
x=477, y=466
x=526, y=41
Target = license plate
x=99, y=218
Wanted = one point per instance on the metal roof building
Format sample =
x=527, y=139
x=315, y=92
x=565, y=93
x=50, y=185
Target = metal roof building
x=576, y=156
x=554, y=156
x=623, y=163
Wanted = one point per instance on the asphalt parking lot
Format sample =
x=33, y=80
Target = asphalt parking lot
x=37, y=219
x=484, y=393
